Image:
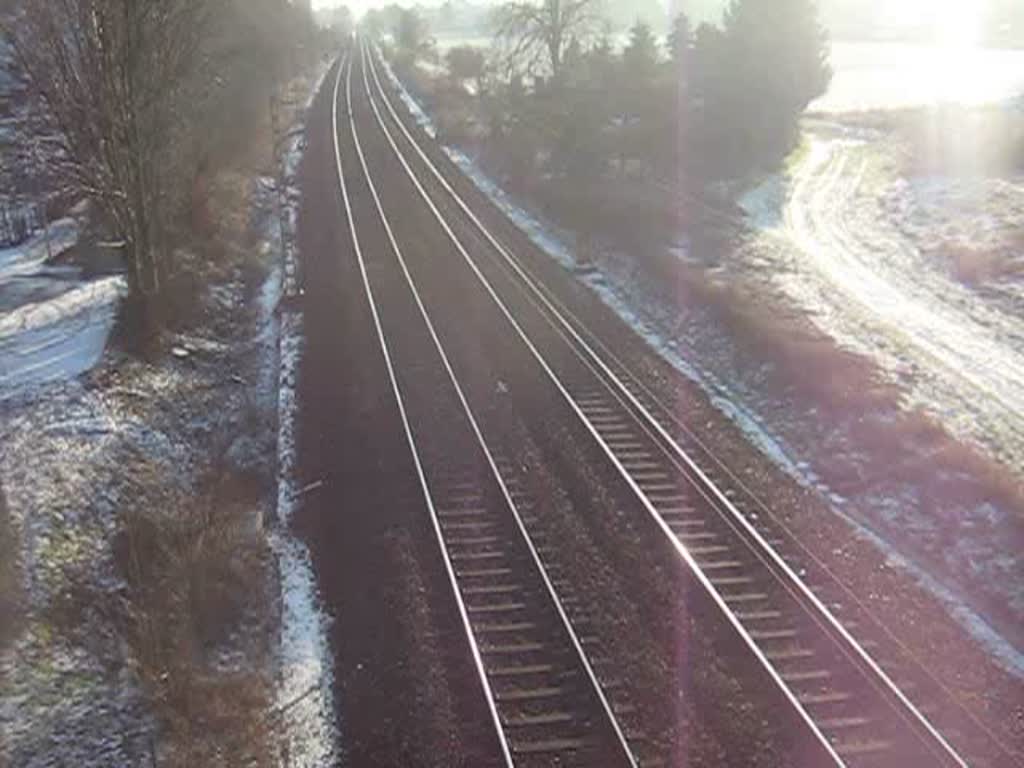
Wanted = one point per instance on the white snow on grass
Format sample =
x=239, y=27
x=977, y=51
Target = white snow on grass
x=58, y=353
x=421, y=117
x=893, y=75
x=54, y=325
x=85, y=297
x=1004, y=652
x=304, y=696
x=31, y=256
x=763, y=203
x=850, y=249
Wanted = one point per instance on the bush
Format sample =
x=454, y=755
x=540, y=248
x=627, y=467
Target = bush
x=194, y=568
x=8, y=574
x=465, y=63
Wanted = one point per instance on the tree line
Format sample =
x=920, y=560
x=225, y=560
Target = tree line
x=127, y=103
x=717, y=102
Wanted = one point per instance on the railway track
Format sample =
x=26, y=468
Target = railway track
x=854, y=713
x=538, y=683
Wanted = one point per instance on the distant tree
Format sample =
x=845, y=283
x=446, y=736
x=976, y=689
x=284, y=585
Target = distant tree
x=466, y=63
x=412, y=36
x=539, y=32
x=676, y=125
x=513, y=129
x=779, y=55
x=752, y=80
x=680, y=44
x=373, y=22
x=713, y=105
x=379, y=21
x=341, y=23
x=131, y=103
x=573, y=63
x=783, y=47
x=602, y=62
x=640, y=57
x=711, y=64
x=639, y=99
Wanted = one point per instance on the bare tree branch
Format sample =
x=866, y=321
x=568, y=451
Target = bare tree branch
x=537, y=33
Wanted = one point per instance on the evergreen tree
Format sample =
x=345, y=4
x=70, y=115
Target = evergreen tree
x=640, y=100
x=753, y=79
x=783, y=47
x=602, y=63
x=640, y=57
x=680, y=44
x=778, y=58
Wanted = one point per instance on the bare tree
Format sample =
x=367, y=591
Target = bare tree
x=467, y=63
x=540, y=33
x=412, y=35
x=110, y=88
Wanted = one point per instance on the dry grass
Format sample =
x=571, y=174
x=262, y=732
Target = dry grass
x=9, y=587
x=846, y=384
x=197, y=572
x=805, y=358
x=197, y=566
x=222, y=241
x=976, y=266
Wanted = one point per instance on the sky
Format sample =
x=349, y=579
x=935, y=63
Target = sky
x=958, y=21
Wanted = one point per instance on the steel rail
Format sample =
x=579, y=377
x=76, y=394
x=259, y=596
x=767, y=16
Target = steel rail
x=526, y=538
x=537, y=285
x=681, y=549
x=400, y=402
x=611, y=380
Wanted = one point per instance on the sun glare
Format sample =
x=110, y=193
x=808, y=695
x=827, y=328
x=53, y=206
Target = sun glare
x=957, y=22
x=952, y=23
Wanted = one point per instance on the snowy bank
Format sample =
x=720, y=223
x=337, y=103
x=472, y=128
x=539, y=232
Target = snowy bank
x=305, y=676
x=54, y=323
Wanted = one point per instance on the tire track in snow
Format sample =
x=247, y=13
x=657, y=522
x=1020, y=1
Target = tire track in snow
x=872, y=290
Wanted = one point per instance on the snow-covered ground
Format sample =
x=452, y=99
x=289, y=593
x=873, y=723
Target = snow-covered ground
x=65, y=696
x=75, y=452
x=424, y=120
x=872, y=76
x=851, y=243
x=54, y=322
x=305, y=679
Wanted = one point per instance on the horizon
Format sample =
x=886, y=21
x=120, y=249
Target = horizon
x=949, y=23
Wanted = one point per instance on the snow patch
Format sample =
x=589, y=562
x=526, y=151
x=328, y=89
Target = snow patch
x=421, y=117
x=53, y=324
x=763, y=203
x=1004, y=652
x=31, y=256
x=100, y=293
x=305, y=678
